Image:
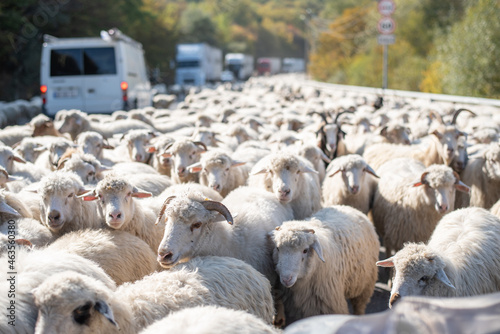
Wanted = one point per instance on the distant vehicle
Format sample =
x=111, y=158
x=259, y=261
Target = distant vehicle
x=227, y=76
x=268, y=66
x=293, y=65
x=197, y=64
x=95, y=75
x=240, y=64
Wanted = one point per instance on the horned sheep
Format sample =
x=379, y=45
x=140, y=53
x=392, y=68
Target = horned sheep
x=461, y=258
x=74, y=303
x=345, y=241
x=410, y=200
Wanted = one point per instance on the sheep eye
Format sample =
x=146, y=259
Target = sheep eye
x=298, y=172
x=129, y=194
x=195, y=226
x=82, y=314
x=277, y=249
x=70, y=195
x=305, y=251
x=424, y=279
x=227, y=169
x=98, y=145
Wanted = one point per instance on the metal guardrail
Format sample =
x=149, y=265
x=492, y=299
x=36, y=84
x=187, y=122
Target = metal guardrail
x=408, y=94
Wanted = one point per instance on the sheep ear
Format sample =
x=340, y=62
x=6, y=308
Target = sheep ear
x=307, y=169
x=422, y=181
x=441, y=275
x=317, y=248
x=103, y=308
x=238, y=163
x=88, y=196
x=383, y=131
x=262, y=171
x=23, y=242
x=107, y=146
x=151, y=149
x=6, y=208
x=11, y=178
x=437, y=134
x=336, y=171
x=140, y=193
x=166, y=155
x=386, y=263
x=459, y=185
x=370, y=170
x=61, y=163
x=194, y=168
x=19, y=159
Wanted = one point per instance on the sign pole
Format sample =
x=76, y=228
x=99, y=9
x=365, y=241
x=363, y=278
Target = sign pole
x=384, y=82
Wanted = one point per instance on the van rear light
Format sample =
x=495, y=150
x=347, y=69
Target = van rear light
x=124, y=85
x=43, y=90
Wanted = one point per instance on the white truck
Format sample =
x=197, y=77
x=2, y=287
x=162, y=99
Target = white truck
x=240, y=64
x=93, y=74
x=268, y=65
x=293, y=65
x=197, y=64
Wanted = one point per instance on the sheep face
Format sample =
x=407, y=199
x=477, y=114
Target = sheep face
x=188, y=221
x=282, y=176
x=461, y=156
x=57, y=150
x=86, y=166
x=58, y=199
x=29, y=150
x=214, y=170
x=492, y=163
x=91, y=143
x=396, y=134
x=353, y=169
x=73, y=123
x=418, y=272
x=137, y=140
x=331, y=134
x=448, y=142
x=116, y=205
x=205, y=136
x=183, y=154
x=439, y=184
x=293, y=252
x=68, y=304
x=8, y=157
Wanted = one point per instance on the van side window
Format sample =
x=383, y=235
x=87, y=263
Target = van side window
x=65, y=62
x=99, y=61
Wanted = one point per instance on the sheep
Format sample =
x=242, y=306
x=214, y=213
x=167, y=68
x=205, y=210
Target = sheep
x=346, y=242
x=348, y=183
x=163, y=101
x=393, y=132
x=120, y=211
x=438, y=148
x=86, y=166
x=316, y=157
x=482, y=175
x=11, y=206
x=124, y=257
x=160, y=163
x=43, y=126
x=410, y=200
x=5, y=178
x=55, y=150
x=11, y=161
x=76, y=122
x=184, y=153
x=30, y=148
x=136, y=142
x=91, y=142
x=210, y=320
x=461, y=258
x=192, y=227
x=27, y=229
x=219, y=172
x=60, y=209
x=292, y=179
x=65, y=300
x=33, y=267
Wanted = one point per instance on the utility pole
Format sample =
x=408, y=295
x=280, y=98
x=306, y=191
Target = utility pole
x=386, y=27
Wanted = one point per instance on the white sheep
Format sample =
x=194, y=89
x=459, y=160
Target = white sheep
x=462, y=258
x=482, y=175
x=124, y=257
x=345, y=241
x=17, y=166
x=136, y=142
x=74, y=303
x=184, y=153
x=210, y=320
x=120, y=211
x=193, y=227
x=60, y=209
x=220, y=172
x=291, y=179
x=33, y=267
x=76, y=122
x=411, y=199
x=157, y=148
x=91, y=142
x=350, y=181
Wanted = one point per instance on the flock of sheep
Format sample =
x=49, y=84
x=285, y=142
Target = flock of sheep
x=244, y=209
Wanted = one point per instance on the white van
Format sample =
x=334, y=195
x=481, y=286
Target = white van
x=95, y=75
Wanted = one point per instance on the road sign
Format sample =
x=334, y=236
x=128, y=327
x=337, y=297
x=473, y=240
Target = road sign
x=386, y=7
x=386, y=25
x=386, y=39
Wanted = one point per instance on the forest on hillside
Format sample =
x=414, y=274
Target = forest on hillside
x=446, y=46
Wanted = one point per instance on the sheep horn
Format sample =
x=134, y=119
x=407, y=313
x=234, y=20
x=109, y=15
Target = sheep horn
x=220, y=208
x=167, y=147
x=323, y=116
x=457, y=112
x=163, y=208
x=436, y=116
x=342, y=112
x=422, y=180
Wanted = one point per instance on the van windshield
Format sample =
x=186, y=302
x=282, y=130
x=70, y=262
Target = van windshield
x=88, y=61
